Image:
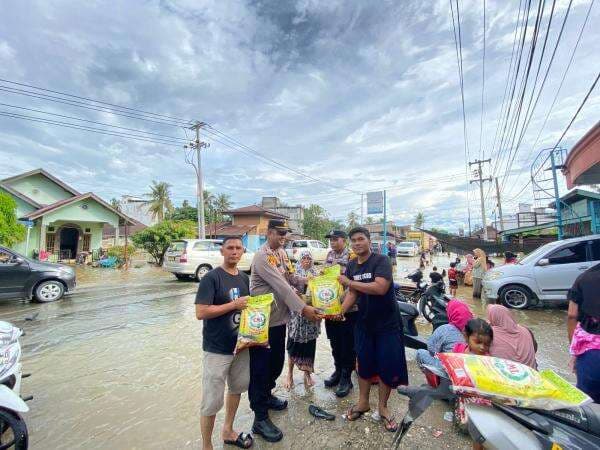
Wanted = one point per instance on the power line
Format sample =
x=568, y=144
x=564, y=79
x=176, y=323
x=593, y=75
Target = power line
x=481, y=151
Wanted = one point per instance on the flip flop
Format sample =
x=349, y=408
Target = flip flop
x=244, y=440
x=320, y=413
x=390, y=424
x=353, y=414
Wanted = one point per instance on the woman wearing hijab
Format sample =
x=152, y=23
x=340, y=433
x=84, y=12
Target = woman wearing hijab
x=511, y=340
x=446, y=336
x=479, y=268
x=302, y=333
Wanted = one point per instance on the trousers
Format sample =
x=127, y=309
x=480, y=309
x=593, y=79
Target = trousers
x=266, y=365
x=341, y=339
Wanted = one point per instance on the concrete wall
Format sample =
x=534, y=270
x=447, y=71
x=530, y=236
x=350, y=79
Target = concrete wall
x=261, y=222
x=41, y=189
x=87, y=210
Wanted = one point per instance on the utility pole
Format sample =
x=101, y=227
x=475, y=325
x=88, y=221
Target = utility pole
x=499, y=206
x=198, y=146
x=362, y=210
x=480, y=180
x=556, y=196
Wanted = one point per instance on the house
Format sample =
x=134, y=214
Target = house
x=582, y=165
x=257, y=219
x=492, y=233
x=137, y=208
x=580, y=210
x=295, y=214
x=376, y=231
x=62, y=222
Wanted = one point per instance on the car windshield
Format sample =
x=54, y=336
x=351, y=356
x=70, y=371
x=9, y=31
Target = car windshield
x=407, y=245
x=177, y=246
x=537, y=253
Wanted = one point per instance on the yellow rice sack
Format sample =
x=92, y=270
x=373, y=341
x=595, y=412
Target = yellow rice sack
x=325, y=291
x=254, y=323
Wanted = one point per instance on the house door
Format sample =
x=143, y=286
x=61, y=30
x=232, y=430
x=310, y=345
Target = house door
x=69, y=237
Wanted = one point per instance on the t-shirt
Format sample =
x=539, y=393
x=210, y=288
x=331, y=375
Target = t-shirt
x=376, y=313
x=217, y=287
x=435, y=277
x=452, y=274
x=585, y=293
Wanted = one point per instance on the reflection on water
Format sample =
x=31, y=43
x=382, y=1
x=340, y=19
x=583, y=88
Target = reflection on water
x=118, y=365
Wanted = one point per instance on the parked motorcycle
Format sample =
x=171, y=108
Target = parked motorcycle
x=432, y=304
x=508, y=427
x=13, y=429
x=415, y=294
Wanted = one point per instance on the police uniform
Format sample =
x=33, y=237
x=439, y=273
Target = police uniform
x=341, y=334
x=272, y=273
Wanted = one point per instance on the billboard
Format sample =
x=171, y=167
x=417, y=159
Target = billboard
x=375, y=202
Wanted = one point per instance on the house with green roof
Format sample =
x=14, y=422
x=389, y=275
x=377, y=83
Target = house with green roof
x=62, y=221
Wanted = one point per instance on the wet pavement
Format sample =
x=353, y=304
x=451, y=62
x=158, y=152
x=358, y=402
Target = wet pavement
x=118, y=365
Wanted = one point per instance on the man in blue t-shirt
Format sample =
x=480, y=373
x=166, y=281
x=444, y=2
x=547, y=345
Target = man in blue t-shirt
x=378, y=335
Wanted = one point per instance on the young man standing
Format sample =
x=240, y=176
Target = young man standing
x=222, y=294
x=341, y=333
x=378, y=333
x=273, y=273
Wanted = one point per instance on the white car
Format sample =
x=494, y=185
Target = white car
x=317, y=250
x=544, y=275
x=187, y=258
x=407, y=249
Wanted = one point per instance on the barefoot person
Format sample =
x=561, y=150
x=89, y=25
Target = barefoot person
x=378, y=332
x=302, y=333
x=341, y=333
x=222, y=294
x=273, y=273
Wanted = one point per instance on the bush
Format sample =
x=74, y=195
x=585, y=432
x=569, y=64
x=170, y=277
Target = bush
x=11, y=231
x=157, y=238
x=119, y=252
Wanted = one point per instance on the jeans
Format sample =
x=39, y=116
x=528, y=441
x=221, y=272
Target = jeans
x=266, y=365
x=423, y=357
x=587, y=367
x=341, y=339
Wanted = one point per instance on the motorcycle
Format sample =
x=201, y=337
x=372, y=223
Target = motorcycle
x=508, y=427
x=432, y=304
x=13, y=429
x=413, y=295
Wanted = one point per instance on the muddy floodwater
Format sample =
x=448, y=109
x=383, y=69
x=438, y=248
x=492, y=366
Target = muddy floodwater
x=117, y=365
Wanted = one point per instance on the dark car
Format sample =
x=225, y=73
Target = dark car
x=21, y=277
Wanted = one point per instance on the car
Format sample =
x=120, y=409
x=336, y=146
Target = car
x=22, y=277
x=317, y=250
x=543, y=276
x=187, y=258
x=407, y=248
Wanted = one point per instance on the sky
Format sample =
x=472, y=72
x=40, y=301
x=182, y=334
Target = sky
x=350, y=96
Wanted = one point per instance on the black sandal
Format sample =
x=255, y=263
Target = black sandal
x=244, y=440
x=354, y=414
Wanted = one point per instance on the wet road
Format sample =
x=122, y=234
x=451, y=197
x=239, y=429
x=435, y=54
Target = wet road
x=118, y=365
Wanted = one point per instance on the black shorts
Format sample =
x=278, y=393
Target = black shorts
x=453, y=283
x=380, y=356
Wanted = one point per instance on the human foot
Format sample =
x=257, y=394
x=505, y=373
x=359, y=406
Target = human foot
x=288, y=383
x=308, y=380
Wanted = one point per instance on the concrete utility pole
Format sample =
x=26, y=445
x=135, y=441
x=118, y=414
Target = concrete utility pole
x=362, y=209
x=499, y=206
x=198, y=146
x=480, y=180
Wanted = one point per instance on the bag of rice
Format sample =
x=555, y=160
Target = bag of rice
x=509, y=382
x=254, y=323
x=325, y=292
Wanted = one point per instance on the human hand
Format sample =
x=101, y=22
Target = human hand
x=344, y=280
x=310, y=313
x=338, y=318
x=241, y=303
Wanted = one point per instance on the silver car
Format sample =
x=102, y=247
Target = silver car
x=543, y=276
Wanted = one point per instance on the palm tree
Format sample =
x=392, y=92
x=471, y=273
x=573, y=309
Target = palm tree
x=160, y=201
x=419, y=220
x=352, y=219
x=222, y=203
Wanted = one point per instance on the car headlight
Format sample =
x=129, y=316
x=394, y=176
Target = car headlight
x=493, y=275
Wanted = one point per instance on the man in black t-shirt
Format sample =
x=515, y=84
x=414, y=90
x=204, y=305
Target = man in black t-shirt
x=378, y=335
x=222, y=294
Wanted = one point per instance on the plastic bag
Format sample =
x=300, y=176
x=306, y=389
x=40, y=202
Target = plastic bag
x=254, y=323
x=509, y=382
x=325, y=292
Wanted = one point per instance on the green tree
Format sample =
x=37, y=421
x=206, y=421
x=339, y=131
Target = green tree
x=352, y=220
x=160, y=199
x=419, y=220
x=317, y=224
x=116, y=204
x=157, y=238
x=222, y=203
x=369, y=221
x=184, y=212
x=11, y=231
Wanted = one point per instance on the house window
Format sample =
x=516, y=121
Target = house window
x=50, y=229
x=88, y=230
x=50, y=239
x=87, y=239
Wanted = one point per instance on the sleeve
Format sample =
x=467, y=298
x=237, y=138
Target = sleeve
x=383, y=269
x=434, y=343
x=575, y=293
x=281, y=288
x=206, y=290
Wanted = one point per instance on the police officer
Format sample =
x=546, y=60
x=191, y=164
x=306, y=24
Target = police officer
x=273, y=273
x=341, y=334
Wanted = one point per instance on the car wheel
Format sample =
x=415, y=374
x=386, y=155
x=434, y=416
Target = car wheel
x=182, y=276
x=516, y=297
x=202, y=270
x=49, y=291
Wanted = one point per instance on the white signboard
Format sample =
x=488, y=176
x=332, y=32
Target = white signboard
x=375, y=202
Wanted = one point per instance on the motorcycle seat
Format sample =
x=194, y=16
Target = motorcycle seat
x=585, y=418
x=407, y=309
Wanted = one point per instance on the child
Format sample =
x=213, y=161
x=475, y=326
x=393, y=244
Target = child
x=452, y=279
x=479, y=335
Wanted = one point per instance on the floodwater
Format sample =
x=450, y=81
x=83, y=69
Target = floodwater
x=117, y=365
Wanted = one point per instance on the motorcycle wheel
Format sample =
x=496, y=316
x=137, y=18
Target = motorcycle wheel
x=13, y=431
x=424, y=307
